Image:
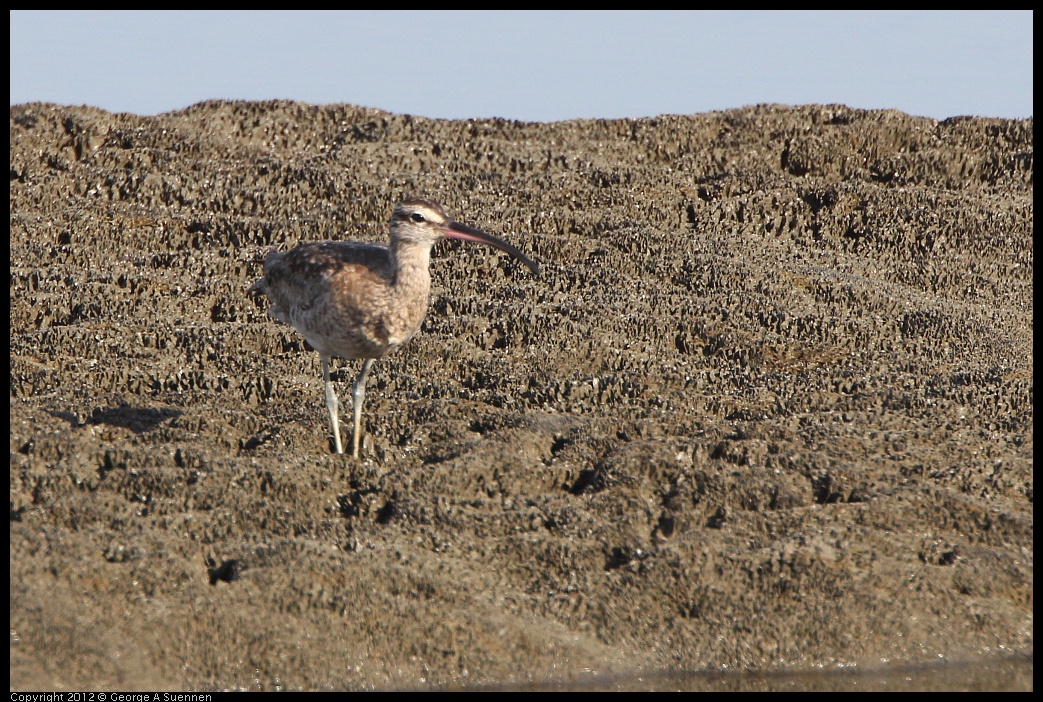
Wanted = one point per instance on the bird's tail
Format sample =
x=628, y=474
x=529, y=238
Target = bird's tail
x=258, y=288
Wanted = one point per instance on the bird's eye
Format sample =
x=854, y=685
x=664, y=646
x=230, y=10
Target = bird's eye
x=417, y=217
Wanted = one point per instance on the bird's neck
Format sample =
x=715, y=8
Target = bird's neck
x=412, y=267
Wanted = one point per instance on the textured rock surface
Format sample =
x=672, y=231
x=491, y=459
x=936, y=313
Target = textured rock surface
x=768, y=406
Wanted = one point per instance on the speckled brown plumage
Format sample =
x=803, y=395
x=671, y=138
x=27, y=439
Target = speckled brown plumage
x=363, y=300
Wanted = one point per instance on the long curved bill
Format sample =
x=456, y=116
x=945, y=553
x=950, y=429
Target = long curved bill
x=455, y=230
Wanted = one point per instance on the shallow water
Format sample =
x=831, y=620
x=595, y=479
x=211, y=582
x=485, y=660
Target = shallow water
x=1002, y=675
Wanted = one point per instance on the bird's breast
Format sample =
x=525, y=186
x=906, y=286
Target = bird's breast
x=349, y=300
x=370, y=316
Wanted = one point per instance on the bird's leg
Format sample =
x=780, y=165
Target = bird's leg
x=358, y=395
x=331, y=403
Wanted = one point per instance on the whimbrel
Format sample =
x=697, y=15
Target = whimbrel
x=363, y=300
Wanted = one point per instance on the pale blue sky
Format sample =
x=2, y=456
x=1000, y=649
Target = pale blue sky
x=539, y=66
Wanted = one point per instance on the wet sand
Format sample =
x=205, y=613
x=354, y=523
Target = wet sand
x=766, y=411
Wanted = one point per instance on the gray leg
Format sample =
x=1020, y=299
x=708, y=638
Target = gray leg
x=358, y=395
x=331, y=403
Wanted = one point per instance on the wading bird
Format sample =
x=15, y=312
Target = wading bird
x=364, y=300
